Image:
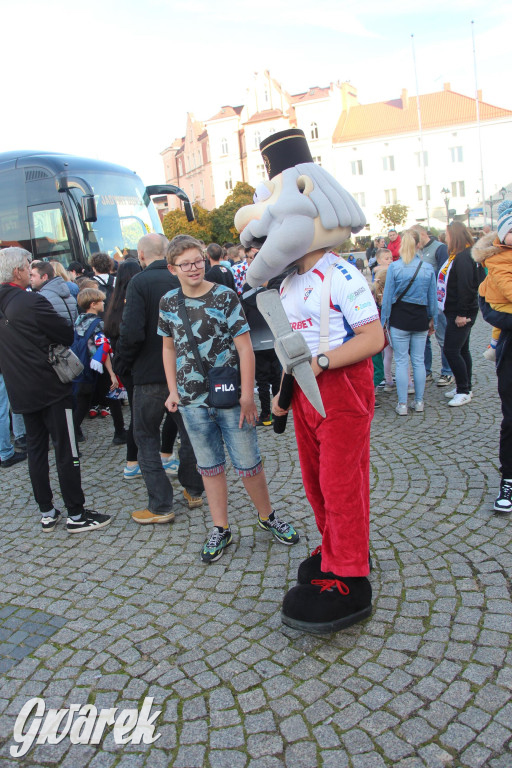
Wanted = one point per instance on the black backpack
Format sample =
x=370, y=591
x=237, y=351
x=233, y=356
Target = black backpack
x=106, y=287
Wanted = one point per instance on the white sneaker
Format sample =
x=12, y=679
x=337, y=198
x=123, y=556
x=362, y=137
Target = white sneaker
x=490, y=354
x=389, y=387
x=401, y=409
x=410, y=390
x=419, y=406
x=453, y=392
x=460, y=399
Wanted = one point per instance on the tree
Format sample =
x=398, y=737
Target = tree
x=393, y=215
x=223, y=216
x=175, y=223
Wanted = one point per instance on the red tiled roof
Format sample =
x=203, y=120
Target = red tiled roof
x=313, y=93
x=266, y=114
x=387, y=118
x=226, y=111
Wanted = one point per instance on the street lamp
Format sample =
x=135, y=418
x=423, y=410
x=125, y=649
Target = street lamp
x=446, y=192
x=503, y=192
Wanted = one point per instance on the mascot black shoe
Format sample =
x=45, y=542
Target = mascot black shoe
x=310, y=568
x=327, y=605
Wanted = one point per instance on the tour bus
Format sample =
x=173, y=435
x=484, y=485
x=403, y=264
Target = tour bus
x=66, y=208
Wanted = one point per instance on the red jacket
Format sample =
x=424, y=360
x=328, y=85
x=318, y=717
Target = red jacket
x=394, y=247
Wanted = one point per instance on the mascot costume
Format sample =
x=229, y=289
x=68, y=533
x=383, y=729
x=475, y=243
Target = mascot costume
x=327, y=328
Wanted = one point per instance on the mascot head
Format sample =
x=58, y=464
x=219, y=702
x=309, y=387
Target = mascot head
x=301, y=209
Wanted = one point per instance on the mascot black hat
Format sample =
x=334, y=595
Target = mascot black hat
x=284, y=150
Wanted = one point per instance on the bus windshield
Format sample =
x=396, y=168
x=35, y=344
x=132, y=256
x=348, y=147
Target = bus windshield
x=123, y=216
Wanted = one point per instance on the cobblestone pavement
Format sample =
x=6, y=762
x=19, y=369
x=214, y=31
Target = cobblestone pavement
x=129, y=612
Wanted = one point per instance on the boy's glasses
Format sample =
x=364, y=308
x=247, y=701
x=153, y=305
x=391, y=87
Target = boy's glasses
x=188, y=265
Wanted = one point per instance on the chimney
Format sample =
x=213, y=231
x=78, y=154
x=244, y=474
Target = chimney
x=405, y=99
x=446, y=86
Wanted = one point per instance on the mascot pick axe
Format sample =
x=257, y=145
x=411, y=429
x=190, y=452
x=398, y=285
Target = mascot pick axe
x=302, y=212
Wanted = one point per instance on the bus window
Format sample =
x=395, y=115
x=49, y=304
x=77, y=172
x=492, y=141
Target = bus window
x=13, y=211
x=49, y=233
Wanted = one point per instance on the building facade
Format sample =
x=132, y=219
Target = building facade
x=376, y=151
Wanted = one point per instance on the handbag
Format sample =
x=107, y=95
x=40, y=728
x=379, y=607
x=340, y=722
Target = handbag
x=64, y=362
x=223, y=380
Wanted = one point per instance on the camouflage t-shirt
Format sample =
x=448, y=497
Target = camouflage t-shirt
x=216, y=318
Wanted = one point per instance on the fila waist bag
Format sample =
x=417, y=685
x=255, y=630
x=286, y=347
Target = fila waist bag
x=223, y=387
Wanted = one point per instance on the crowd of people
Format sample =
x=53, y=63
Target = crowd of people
x=422, y=286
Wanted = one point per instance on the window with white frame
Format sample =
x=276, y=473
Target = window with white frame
x=388, y=163
x=360, y=198
x=192, y=194
x=458, y=189
x=390, y=196
x=314, y=130
x=201, y=187
x=224, y=146
x=357, y=167
x=417, y=155
x=257, y=140
x=456, y=154
x=260, y=171
x=228, y=183
x=421, y=192
x=317, y=160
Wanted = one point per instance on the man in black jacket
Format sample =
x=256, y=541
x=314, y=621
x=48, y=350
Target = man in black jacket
x=28, y=325
x=217, y=273
x=139, y=349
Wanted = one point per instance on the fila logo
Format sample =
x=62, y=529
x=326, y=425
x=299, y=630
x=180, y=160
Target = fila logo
x=224, y=388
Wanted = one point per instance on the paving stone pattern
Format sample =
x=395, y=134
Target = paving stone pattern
x=130, y=612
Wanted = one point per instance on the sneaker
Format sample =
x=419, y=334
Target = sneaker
x=504, y=501
x=401, y=409
x=48, y=522
x=389, y=387
x=283, y=532
x=89, y=521
x=490, y=354
x=193, y=501
x=130, y=472
x=171, y=465
x=12, y=460
x=377, y=404
x=461, y=399
x=445, y=380
x=327, y=605
x=215, y=544
x=419, y=406
x=93, y=412
x=145, y=517
x=429, y=378
x=265, y=420
x=20, y=444
x=452, y=392
x=121, y=438
x=104, y=412
x=382, y=385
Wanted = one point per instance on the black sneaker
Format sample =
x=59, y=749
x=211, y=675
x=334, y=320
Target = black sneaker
x=120, y=438
x=12, y=460
x=20, y=444
x=504, y=501
x=48, y=523
x=215, y=544
x=265, y=420
x=283, y=532
x=89, y=521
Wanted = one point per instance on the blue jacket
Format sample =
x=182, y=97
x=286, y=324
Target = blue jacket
x=422, y=291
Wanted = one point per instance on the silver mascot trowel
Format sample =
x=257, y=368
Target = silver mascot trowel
x=290, y=347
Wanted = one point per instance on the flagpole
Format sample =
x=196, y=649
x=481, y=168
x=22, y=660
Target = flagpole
x=477, y=102
x=422, y=154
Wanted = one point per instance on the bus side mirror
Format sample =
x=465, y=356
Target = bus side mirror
x=188, y=210
x=89, y=212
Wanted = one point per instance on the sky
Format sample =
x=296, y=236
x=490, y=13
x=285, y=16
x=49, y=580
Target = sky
x=114, y=79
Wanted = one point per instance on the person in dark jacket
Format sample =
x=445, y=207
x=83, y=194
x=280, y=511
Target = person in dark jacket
x=503, y=321
x=53, y=288
x=28, y=325
x=457, y=297
x=139, y=350
x=217, y=273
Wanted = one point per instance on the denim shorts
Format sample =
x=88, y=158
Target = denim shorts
x=209, y=429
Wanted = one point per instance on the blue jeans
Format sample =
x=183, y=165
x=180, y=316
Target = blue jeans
x=6, y=447
x=212, y=428
x=405, y=343
x=440, y=332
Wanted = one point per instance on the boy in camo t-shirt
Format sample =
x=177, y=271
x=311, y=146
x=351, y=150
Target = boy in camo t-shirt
x=222, y=333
